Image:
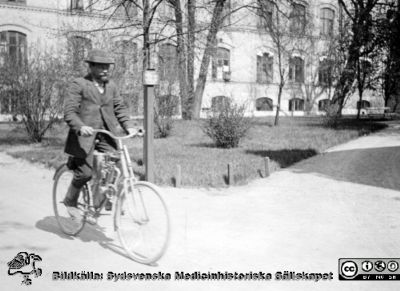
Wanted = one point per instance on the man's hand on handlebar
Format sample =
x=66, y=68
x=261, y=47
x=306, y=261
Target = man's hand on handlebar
x=135, y=131
x=89, y=131
x=86, y=131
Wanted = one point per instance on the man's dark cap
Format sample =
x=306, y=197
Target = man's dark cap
x=97, y=56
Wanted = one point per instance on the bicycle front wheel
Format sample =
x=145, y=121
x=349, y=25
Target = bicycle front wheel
x=142, y=222
x=68, y=225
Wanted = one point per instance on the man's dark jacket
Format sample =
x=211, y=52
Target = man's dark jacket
x=85, y=105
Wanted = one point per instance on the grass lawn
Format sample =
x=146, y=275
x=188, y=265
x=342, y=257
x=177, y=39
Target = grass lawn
x=201, y=162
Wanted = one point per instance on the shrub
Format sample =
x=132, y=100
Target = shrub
x=226, y=125
x=163, y=113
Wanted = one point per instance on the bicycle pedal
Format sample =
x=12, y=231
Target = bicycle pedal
x=108, y=206
x=92, y=220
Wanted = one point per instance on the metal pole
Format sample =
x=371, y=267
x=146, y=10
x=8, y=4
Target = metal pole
x=150, y=79
x=148, y=127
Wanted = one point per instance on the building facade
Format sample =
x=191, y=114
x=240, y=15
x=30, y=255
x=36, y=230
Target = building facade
x=247, y=66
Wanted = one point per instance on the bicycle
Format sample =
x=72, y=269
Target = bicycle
x=137, y=205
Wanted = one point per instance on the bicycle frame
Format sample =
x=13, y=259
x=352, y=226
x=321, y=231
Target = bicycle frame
x=139, y=213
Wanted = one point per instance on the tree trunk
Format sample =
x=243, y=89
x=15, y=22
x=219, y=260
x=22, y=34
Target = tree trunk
x=146, y=39
x=181, y=57
x=211, y=37
x=278, y=106
x=190, y=56
x=360, y=97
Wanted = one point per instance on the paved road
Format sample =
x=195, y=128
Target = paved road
x=344, y=203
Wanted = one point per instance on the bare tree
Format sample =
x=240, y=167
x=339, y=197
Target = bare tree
x=359, y=16
x=324, y=60
x=277, y=20
x=36, y=86
x=208, y=51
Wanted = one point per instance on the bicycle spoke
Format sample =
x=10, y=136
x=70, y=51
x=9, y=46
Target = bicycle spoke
x=143, y=227
x=68, y=224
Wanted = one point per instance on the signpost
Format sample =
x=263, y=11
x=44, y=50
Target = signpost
x=150, y=79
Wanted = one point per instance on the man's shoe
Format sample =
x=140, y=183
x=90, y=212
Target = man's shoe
x=74, y=212
x=91, y=219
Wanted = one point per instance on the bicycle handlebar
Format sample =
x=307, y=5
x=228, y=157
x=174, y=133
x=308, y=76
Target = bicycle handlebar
x=139, y=132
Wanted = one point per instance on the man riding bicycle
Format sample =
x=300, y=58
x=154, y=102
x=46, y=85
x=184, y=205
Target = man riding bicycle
x=92, y=102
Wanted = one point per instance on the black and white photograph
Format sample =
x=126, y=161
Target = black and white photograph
x=200, y=145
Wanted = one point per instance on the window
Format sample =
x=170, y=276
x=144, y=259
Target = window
x=126, y=56
x=363, y=104
x=220, y=63
x=13, y=47
x=264, y=104
x=265, y=68
x=79, y=47
x=297, y=18
x=296, y=70
x=168, y=63
x=219, y=102
x=77, y=5
x=125, y=9
x=327, y=17
x=265, y=14
x=323, y=104
x=325, y=72
x=296, y=104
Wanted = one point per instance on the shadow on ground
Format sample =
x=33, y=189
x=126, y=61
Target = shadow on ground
x=90, y=233
x=285, y=158
x=379, y=167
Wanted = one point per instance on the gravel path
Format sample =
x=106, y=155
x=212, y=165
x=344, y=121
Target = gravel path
x=344, y=203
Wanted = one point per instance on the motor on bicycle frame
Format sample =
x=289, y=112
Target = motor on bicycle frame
x=105, y=174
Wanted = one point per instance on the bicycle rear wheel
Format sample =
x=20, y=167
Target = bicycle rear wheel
x=68, y=225
x=142, y=222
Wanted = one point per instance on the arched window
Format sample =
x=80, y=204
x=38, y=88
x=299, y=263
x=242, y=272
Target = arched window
x=219, y=102
x=220, y=63
x=363, y=104
x=13, y=47
x=79, y=47
x=296, y=104
x=168, y=63
x=323, y=104
x=264, y=104
x=265, y=64
x=298, y=18
x=296, y=70
x=327, y=18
